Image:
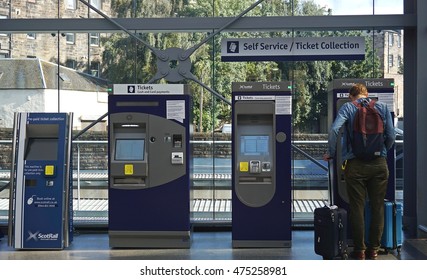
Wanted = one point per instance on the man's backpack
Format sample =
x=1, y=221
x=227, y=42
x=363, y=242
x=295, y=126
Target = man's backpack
x=368, y=131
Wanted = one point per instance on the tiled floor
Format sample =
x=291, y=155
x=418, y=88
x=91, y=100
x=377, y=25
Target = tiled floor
x=213, y=245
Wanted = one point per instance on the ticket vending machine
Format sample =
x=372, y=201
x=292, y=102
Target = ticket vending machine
x=261, y=164
x=380, y=89
x=149, y=189
x=40, y=213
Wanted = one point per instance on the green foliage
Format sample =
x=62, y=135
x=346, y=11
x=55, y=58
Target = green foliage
x=129, y=61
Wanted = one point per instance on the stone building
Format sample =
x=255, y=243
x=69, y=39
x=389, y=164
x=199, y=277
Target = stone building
x=389, y=48
x=79, y=51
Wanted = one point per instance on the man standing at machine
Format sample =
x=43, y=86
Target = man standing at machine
x=366, y=173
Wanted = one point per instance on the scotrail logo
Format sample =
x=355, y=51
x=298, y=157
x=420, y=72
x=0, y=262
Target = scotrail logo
x=42, y=236
x=233, y=47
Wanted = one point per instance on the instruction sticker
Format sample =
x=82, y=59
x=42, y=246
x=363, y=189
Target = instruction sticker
x=283, y=105
x=388, y=99
x=175, y=110
x=244, y=166
x=128, y=169
x=49, y=170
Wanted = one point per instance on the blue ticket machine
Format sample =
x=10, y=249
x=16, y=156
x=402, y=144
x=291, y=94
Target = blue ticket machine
x=40, y=214
x=149, y=188
x=380, y=89
x=261, y=164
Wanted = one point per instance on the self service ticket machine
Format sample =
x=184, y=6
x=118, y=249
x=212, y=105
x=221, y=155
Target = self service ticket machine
x=40, y=214
x=149, y=195
x=261, y=172
x=380, y=89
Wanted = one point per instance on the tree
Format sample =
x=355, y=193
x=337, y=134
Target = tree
x=128, y=61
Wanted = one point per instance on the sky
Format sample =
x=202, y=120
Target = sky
x=362, y=7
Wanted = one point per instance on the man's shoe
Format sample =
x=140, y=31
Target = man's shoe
x=357, y=255
x=372, y=254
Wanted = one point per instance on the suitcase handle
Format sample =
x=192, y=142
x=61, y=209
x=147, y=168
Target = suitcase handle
x=331, y=197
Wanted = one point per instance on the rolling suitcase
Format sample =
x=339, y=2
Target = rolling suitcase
x=392, y=234
x=330, y=227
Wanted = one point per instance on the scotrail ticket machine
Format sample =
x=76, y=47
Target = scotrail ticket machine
x=261, y=164
x=149, y=195
x=380, y=89
x=40, y=214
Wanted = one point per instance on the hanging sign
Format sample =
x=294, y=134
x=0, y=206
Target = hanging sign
x=293, y=49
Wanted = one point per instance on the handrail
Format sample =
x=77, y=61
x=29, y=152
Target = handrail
x=198, y=141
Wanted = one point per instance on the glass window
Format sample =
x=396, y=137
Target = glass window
x=94, y=68
x=70, y=38
x=94, y=39
x=71, y=63
x=390, y=60
x=390, y=39
x=31, y=36
x=123, y=60
x=71, y=4
x=96, y=4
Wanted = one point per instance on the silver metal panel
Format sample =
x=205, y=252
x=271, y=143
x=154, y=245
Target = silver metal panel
x=18, y=203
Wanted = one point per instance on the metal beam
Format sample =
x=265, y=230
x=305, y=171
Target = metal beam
x=144, y=25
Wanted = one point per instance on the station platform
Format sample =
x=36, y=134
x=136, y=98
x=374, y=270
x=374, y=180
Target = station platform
x=206, y=245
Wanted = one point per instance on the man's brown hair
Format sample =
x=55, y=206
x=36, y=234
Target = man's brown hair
x=358, y=89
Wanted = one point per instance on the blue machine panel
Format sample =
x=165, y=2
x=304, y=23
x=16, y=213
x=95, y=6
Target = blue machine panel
x=149, y=188
x=41, y=182
x=261, y=165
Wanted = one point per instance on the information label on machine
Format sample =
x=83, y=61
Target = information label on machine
x=384, y=97
x=388, y=99
x=148, y=89
x=255, y=97
x=175, y=110
x=283, y=105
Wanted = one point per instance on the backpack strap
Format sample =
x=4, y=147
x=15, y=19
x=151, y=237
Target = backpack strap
x=371, y=103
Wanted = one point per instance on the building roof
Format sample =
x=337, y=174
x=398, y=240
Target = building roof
x=33, y=73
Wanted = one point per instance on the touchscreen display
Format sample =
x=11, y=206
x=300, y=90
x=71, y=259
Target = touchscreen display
x=130, y=149
x=254, y=145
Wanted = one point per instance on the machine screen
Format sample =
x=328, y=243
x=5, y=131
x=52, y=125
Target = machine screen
x=254, y=145
x=130, y=149
x=41, y=149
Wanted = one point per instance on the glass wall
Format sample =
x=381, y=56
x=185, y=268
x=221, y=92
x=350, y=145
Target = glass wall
x=31, y=79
